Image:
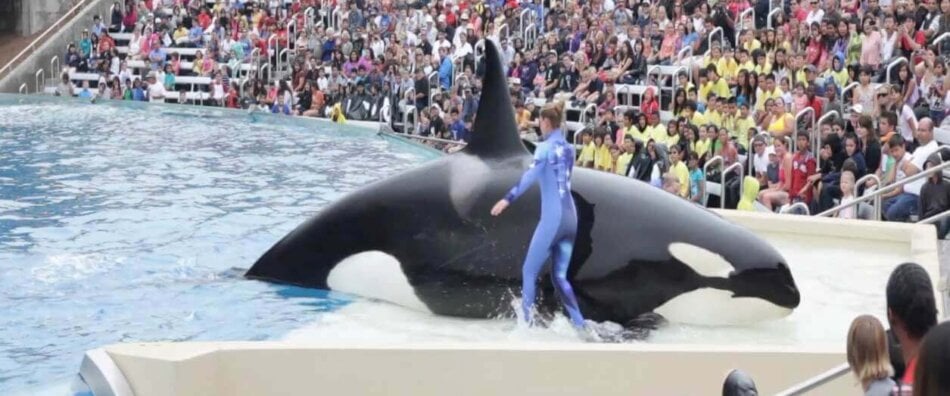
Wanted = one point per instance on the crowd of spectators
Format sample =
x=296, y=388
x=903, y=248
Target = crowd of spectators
x=381, y=59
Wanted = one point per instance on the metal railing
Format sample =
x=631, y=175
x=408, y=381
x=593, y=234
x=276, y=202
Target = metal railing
x=895, y=62
x=23, y=89
x=430, y=139
x=40, y=80
x=845, y=90
x=877, y=200
x=521, y=20
x=42, y=38
x=54, y=70
x=722, y=178
x=722, y=38
x=939, y=40
x=530, y=35
x=270, y=73
x=935, y=218
x=590, y=108
x=816, y=381
x=796, y=205
x=504, y=28
x=883, y=189
x=750, y=10
x=408, y=128
x=814, y=136
x=772, y=14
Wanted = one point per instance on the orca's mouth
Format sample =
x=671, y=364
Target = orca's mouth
x=774, y=284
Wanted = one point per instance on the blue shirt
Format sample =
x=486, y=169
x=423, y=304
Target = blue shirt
x=445, y=73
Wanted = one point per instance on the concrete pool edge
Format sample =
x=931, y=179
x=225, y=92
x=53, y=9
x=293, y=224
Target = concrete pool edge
x=254, y=368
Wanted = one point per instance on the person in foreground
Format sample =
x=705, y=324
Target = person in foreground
x=868, y=356
x=911, y=312
x=555, y=233
x=934, y=363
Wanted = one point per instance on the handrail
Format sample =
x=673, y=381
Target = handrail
x=479, y=54
x=309, y=15
x=54, y=70
x=504, y=27
x=583, y=117
x=406, y=127
x=521, y=24
x=936, y=41
x=40, y=75
x=244, y=83
x=895, y=62
x=739, y=23
x=877, y=200
x=816, y=381
x=430, y=139
x=722, y=184
x=23, y=89
x=774, y=12
x=795, y=205
x=706, y=166
x=935, y=218
x=709, y=39
x=533, y=29
x=42, y=37
x=270, y=73
x=335, y=18
x=433, y=89
x=813, y=137
x=880, y=191
x=846, y=89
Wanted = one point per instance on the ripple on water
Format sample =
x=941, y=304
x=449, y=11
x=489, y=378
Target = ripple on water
x=122, y=223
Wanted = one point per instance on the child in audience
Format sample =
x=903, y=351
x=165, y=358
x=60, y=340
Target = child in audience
x=868, y=356
x=847, y=195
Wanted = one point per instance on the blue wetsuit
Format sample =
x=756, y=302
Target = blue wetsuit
x=554, y=236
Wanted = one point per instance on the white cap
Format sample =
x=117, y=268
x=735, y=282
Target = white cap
x=770, y=150
x=858, y=108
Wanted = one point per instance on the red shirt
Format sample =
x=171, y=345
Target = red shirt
x=803, y=165
x=908, y=378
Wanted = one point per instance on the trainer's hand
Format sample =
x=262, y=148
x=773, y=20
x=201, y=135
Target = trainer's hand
x=499, y=207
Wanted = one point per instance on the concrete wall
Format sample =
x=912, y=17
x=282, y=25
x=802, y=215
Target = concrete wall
x=36, y=15
x=54, y=45
x=238, y=369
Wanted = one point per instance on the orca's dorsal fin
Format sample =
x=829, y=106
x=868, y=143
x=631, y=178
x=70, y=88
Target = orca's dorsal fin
x=495, y=132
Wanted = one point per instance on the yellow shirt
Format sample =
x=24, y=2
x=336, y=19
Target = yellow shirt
x=727, y=68
x=636, y=134
x=522, y=118
x=682, y=174
x=764, y=96
x=748, y=66
x=698, y=119
x=763, y=69
x=702, y=146
x=714, y=117
x=752, y=45
x=729, y=123
x=602, y=158
x=587, y=154
x=721, y=89
x=742, y=129
x=800, y=77
x=622, y=162
x=708, y=60
x=657, y=133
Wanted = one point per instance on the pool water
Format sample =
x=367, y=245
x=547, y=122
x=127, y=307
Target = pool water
x=132, y=222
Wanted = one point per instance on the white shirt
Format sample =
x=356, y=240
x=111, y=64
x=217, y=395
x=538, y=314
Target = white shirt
x=904, y=125
x=919, y=158
x=761, y=162
x=156, y=93
x=815, y=16
x=887, y=45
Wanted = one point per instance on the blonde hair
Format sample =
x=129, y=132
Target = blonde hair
x=554, y=112
x=867, y=349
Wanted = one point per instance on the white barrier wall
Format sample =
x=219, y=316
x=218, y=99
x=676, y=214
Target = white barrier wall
x=457, y=370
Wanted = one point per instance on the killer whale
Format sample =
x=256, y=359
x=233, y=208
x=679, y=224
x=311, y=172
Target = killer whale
x=425, y=239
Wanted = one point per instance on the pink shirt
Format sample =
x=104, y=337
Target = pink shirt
x=871, y=49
